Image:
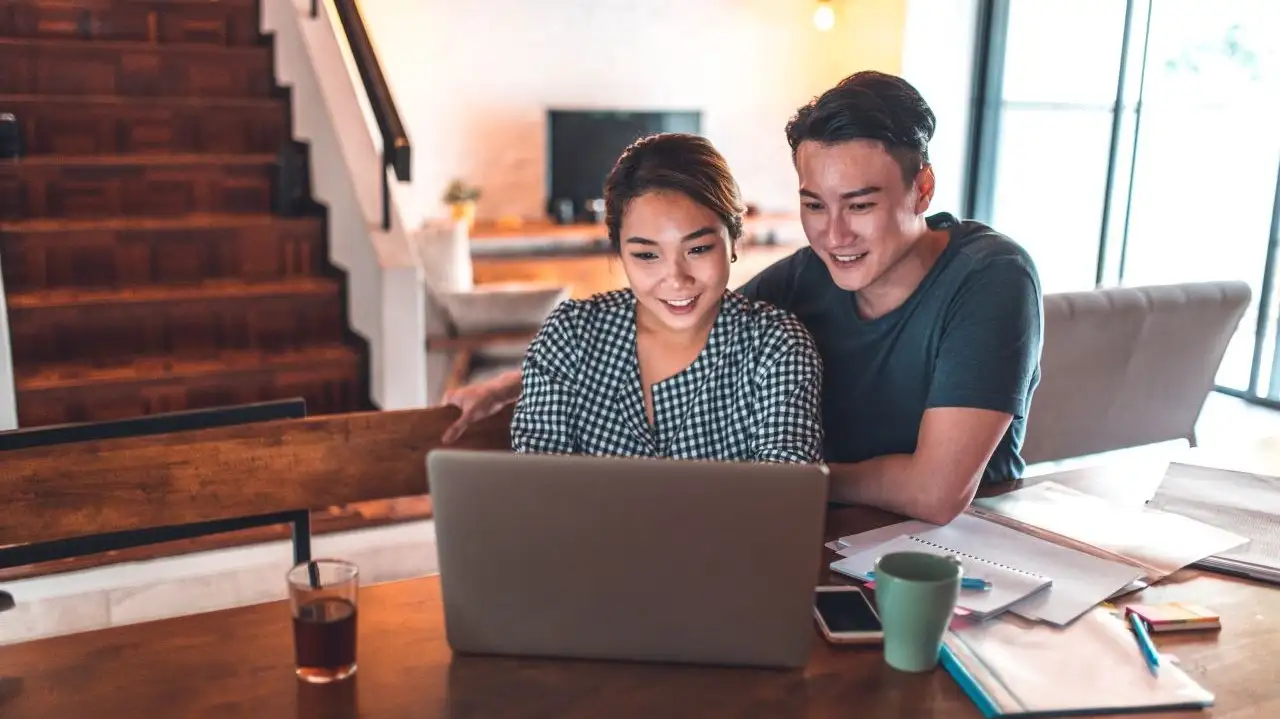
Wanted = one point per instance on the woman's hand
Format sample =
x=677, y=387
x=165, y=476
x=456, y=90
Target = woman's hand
x=479, y=401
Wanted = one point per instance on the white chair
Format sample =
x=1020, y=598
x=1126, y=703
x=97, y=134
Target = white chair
x=486, y=328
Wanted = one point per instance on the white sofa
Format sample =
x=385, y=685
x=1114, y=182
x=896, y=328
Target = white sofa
x=1126, y=367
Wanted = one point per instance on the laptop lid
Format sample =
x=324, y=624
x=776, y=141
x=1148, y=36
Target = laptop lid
x=628, y=558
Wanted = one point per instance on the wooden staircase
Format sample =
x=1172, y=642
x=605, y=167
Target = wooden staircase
x=154, y=255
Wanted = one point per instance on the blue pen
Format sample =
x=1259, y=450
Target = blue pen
x=1144, y=643
x=973, y=583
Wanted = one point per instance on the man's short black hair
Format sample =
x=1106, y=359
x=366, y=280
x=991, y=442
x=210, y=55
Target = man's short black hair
x=869, y=105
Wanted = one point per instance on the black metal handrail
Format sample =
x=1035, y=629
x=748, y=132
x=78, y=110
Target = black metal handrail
x=395, y=142
x=19, y=555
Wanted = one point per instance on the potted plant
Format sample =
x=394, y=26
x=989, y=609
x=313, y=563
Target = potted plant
x=461, y=199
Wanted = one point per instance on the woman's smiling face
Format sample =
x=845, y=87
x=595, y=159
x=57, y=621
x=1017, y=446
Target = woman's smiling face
x=676, y=254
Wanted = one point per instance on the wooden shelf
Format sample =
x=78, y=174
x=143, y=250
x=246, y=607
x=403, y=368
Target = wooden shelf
x=784, y=224
x=587, y=274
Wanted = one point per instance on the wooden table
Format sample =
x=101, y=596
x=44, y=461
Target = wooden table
x=239, y=663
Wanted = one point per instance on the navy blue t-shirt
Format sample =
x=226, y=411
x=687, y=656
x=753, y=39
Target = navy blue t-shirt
x=969, y=336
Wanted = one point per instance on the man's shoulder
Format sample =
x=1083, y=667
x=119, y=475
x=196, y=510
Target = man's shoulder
x=981, y=247
x=802, y=261
x=779, y=283
x=982, y=270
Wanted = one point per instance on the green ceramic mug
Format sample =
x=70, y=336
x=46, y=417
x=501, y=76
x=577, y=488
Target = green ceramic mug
x=916, y=594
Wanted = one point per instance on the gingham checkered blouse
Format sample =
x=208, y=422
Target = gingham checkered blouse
x=753, y=394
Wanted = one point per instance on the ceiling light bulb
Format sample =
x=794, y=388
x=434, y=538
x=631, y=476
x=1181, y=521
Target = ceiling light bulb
x=824, y=16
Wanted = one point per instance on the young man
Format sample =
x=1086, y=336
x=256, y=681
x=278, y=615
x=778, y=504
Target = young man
x=929, y=328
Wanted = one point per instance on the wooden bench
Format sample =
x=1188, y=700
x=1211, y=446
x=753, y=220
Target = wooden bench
x=68, y=500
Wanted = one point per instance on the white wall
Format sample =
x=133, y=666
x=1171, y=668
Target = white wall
x=8, y=402
x=937, y=57
x=385, y=298
x=473, y=80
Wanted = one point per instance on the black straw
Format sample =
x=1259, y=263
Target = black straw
x=313, y=571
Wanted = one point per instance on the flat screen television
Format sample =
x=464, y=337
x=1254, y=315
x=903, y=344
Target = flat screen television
x=582, y=146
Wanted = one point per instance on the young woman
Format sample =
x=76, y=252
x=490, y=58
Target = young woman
x=674, y=366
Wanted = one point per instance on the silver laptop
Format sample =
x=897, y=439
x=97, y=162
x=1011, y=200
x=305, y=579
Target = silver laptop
x=628, y=559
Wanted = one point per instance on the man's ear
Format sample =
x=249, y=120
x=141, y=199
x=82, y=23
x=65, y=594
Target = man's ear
x=924, y=189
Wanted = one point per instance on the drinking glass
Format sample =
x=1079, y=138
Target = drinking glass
x=322, y=595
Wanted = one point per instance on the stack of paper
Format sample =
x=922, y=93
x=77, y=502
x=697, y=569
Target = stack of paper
x=1080, y=581
x=1160, y=543
x=1248, y=504
x=1010, y=667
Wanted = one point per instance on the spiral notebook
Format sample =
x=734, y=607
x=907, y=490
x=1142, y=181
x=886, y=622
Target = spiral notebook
x=1009, y=585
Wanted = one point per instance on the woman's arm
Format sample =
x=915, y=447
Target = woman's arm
x=542, y=420
x=790, y=406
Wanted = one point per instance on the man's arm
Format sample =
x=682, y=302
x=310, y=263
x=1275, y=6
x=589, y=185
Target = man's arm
x=481, y=400
x=937, y=481
x=987, y=357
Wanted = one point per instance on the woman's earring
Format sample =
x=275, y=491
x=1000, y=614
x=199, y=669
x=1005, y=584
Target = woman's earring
x=734, y=257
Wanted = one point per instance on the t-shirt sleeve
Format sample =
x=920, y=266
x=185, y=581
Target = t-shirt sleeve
x=790, y=410
x=776, y=283
x=990, y=344
x=541, y=422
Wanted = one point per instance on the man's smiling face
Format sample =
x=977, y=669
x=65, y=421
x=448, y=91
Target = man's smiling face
x=859, y=212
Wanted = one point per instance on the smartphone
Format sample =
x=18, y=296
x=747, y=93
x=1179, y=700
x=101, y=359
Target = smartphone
x=846, y=616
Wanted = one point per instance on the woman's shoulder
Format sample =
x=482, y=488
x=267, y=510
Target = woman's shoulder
x=769, y=326
x=576, y=319
x=601, y=305
x=616, y=302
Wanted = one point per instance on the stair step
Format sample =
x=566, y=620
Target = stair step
x=216, y=22
x=192, y=221
x=167, y=294
x=145, y=185
x=95, y=125
x=107, y=324
x=327, y=376
x=118, y=252
x=65, y=375
x=135, y=69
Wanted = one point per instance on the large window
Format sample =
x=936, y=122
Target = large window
x=1054, y=130
x=1137, y=142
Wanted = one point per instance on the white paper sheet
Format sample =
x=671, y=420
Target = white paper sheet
x=855, y=543
x=1243, y=503
x=1080, y=581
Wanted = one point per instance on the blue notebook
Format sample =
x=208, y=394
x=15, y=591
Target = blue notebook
x=1011, y=666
